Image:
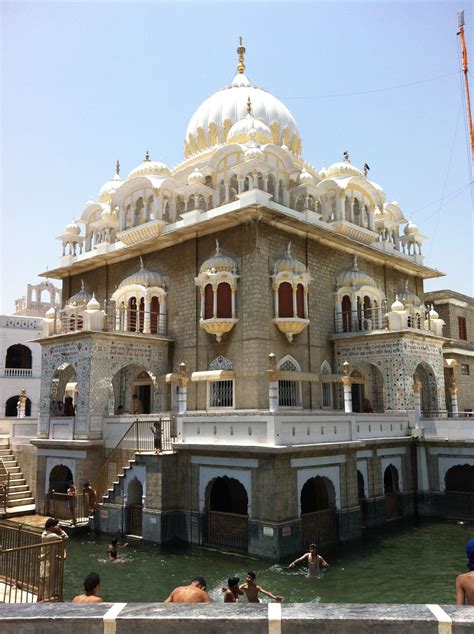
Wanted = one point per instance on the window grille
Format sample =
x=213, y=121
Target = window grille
x=288, y=391
x=221, y=393
x=327, y=395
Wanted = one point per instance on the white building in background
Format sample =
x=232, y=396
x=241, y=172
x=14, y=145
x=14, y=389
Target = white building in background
x=20, y=357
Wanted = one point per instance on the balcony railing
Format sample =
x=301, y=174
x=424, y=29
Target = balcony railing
x=125, y=320
x=18, y=373
x=370, y=319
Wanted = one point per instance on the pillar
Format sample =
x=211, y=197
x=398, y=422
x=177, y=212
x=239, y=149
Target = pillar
x=453, y=392
x=417, y=403
x=182, y=389
x=146, y=316
x=272, y=384
x=346, y=382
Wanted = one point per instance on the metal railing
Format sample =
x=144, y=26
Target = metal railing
x=227, y=529
x=73, y=509
x=318, y=527
x=444, y=413
x=30, y=570
x=138, y=438
x=4, y=486
x=369, y=319
x=18, y=373
x=126, y=320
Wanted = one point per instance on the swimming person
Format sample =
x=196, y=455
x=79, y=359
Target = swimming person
x=252, y=591
x=465, y=581
x=91, y=590
x=194, y=593
x=232, y=592
x=314, y=559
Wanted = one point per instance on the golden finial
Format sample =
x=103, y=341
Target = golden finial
x=249, y=106
x=241, y=53
x=117, y=168
x=147, y=155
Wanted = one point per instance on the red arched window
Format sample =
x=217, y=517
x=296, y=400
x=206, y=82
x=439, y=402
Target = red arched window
x=132, y=314
x=346, y=314
x=285, y=300
x=208, y=302
x=154, y=313
x=224, y=300
x=300, y=301
x=141, y=313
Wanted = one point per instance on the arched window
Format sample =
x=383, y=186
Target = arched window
x=18, y=356
x=289, y=392
x=208, y=302
x=367, y=307
x=154, y=314
x=285, y=300
x=224, y=300
x=346, y=314
x=11, y=406
x=221, y=393
x=300, y=301
x=326, y=388
x=132, y=314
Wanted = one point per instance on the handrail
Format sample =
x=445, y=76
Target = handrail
x=4, y=485
x=137, y=438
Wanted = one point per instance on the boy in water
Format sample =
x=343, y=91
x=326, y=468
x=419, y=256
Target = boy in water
x=194, y=593
x=91, y=590
x=252, y=591
x=465, y=581
x=314, y=559
x=232, y=592
x=112, y=551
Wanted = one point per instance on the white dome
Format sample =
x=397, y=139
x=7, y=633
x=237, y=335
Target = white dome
x=209, y=124
x=249, y=128
x=81, y=298
x=410, y=228
x=196, y=177
x=288, y=263
x=306, y=178
x=50, y=313
x=409, y=298
x=433, y=314
x=73, y=228
x=218, y=262
x=353, y=277
x=149, y=168
x=397, y=305
x=143, y=277
x=93, y=304
x=343, y=168
x=253, y=151
x=109, y=188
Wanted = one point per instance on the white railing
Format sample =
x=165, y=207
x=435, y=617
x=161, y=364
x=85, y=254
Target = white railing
x=288, y=428
x=18, y=373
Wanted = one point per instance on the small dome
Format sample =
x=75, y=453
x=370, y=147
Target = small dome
x=143, y=277
x=410, y=228
x=249, y=128
x=107, y=213
x=73, y=228
x=288, y=263
x=343, y=168
x=433, y=314
x=409, y=298
x=196, y=177
x=253, y=151
x=218, y=262
x=50, y=313
x=79, y=299
x=306, y=178
x=354, y=277
x=109, y=188
x=93, y=304
x=397, y=305
x=149, y=168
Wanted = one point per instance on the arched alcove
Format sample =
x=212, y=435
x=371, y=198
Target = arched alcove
x=227, y=513
x=318, y=506
x=134, y=507
x=18, y=357
x=391, y=488
x=11, y=406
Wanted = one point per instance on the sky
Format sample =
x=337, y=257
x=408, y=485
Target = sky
x=86, y=83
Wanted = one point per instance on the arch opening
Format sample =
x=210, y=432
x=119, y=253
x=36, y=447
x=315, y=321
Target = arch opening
x=318, y=511
x=227, y=513
x=135, y=507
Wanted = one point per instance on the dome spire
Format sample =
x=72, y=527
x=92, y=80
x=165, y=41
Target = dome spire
x=117, y=168
x=249, y=106
x=147, y=156
x=241, y=53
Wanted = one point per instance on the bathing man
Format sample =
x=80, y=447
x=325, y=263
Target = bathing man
x=91, y=590
x=314, y=559
x=465, y=581
x=252, y=591
x=194, y=593
x=232, y=592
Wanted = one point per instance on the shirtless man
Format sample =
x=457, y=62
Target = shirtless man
x=315, y=561
x=465, y=581
x=252, y=591
x=91, y=590
x=194, y=593
x=232, y=592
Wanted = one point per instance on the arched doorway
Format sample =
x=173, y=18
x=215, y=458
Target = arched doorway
x=18, y=357
x=134, y=508
x=362, y=499
x=227, y=516
x=459, y=494
x=358, y=392
x=318, y=511
x=11, y=406
x=63, y=384
x=391, y=491
x=60, y=477
x=129, y=380
x=429, y=390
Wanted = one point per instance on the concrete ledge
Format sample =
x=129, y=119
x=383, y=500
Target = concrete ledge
x=290, y=618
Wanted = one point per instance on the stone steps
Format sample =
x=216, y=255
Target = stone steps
x=20, y=500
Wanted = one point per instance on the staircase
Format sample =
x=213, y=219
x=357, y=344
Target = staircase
x=115, y=487
x=20, y=500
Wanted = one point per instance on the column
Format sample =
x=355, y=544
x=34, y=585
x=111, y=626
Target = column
x=275, y=292
x=370, y=215
x=214, y=300
x=146, y=211
x=133, y=215
x=182, y=389
x=306, y=310
x=272, y=384
x=233, y=302
x=340, y=198
x=146, y=316
x=162, y=316
x=453, y=392
x=346, y=382
x=122, y=217
x=201, y=292
x=227, y=193
x=295, y=310
x=417, y=403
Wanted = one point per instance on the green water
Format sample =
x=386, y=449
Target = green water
x=418, y=564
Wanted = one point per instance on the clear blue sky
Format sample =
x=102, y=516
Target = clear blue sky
x=86, y=83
